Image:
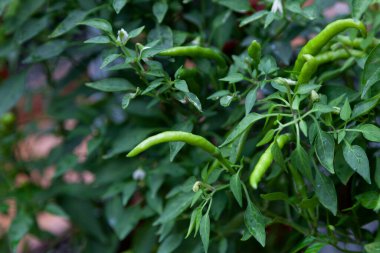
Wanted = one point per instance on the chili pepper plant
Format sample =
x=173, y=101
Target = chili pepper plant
x=208, y=126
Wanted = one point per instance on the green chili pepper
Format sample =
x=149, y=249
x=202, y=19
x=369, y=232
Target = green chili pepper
x=314, y=46
x=312, y=63
x=265, y=160
x=169, y=136
x=308, y=69
x=338, y=54
x=254, y=51
x=196, y=52
x=7, y=119
x=357, y=42
x=188, y=138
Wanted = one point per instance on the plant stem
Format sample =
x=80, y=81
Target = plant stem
x=225, y=163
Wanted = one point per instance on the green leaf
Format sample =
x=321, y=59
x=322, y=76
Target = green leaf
x=153, y=85
x=19, y=13
x=21, y=224
x=110, y=58
x=235, y=186
x=325, y=191
x=113, y=190
x=56, y=210
x=311, y=12
x=356, y=157
x=243, y=125
x=342, y=170
x=322, y=108
x=255, y=223
x=370, y=200
x=236, y=5
x=311, y=203
x=194, y=100
x=233, y=78
x=375, y=78
x=315, y=247
x=313, y=131
x=304, y=243
x=370, y=132
x=303, y=127
x=181, y=85
x=256, y=16
x=377, y=172
x=69, y=23
x=269, y=19
x=175, y=207
x=373, y=247
x=163, y=34
x=204, y=231
x=155, y=179
x=267, y=138
x=359, y=7
x=268, y=65
x=213, y=176
x=196, y=197
x=277, y=155
x=31, y=29
x=46, y=51
x=118, y=5
x=3, y=5
x=98, y=40
x=364, y=107
x=296, y=103
x=127, y=191
x=127, y=139
x=179, y=37
x=351, y=136
x=307, y=88
x=345, y=112
x=198, y=219
x=136, y=32
x=246, y=235
x=217, y=95
x=111, y=85
x=250, y=100
x=98, y=23
x=301, y=160
x=226, y=100
x=192, y=221
x=159, y=10
x=341, y=135
x=127, y=99
x=65, y=163
x=171, y=243
x=83, y=212
x=11, y=91
x=119, y=218
x=223, y=246
x=324, y=148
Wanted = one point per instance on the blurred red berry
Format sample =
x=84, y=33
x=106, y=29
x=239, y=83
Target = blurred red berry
x=4, y=73
x=230, y=46
x=257, y=5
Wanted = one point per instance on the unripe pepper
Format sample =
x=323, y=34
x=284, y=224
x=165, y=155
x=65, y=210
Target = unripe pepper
x=266, y=160
x=196, y=52
x=313, y=62
x=315, y=45
x=189, y=138
x=254, y=51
